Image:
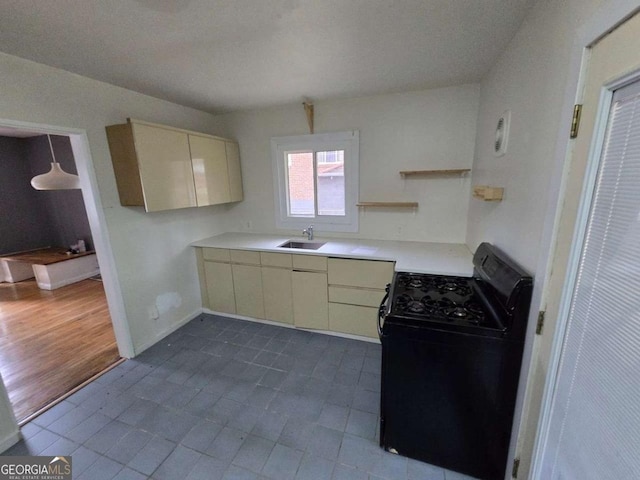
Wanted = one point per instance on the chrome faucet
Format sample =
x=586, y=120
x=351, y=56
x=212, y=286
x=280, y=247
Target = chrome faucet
x=308, y=232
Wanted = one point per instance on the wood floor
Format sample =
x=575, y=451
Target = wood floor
x=52, y=340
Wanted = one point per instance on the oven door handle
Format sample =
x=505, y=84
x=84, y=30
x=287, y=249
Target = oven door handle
x=382, y=310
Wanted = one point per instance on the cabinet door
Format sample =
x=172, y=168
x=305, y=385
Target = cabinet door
x=165, y=168
x=247, y=283
x=235, y=174
x=353, y=319
x=278, y=301
x=219, y=281
x=310, y=301
x=210, y=172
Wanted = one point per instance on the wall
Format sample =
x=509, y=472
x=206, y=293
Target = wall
x=32, y=228
x=428, y=129
x=535, y=78
x=152, y=256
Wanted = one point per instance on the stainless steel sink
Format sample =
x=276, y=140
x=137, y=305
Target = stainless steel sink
x=302, y=245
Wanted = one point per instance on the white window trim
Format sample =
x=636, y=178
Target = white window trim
x=349, y=142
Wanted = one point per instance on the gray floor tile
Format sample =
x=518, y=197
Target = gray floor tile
x=202, y=435
x=366, y=401
x=422, y=471
x=40, y=441
x=238, y=473
x=152, y=455
x=127, y=474
x=344, y=472
x=449, y=475
x=83, y=458
x=334, y=416
x=226, y=444
x=325, y=442
x=69, y=420
x=138, y=410
x=29, y=430
x=129, y=446
x=282, y=463
x=314, y=468
x=228, y=398
x=89, y=427
x=53, y=413
x=208, y=468
x=270, y=425
x=177, y=465
x=61, y=447
x=362, y=424
x=102, y=469
x=296, y=433
x=168, y=423
x=253, y=453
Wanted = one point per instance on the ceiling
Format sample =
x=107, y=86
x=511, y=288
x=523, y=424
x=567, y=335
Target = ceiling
x=228, y=55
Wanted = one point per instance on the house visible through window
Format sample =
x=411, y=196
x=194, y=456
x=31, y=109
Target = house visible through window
x=316, y=180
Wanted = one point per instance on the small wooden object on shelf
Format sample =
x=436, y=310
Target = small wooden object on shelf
x=487, y=193
x=388, y=204
x=433, y=173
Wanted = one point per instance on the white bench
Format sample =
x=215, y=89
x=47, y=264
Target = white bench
x=52, y=267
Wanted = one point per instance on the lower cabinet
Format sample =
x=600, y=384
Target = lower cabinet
x=353, y=319
x=278, y=297
x=310, y=300
x=220, y=288
x=247, y=284
x=308, y=291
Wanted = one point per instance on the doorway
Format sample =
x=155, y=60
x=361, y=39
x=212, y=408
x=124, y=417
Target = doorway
x=591, y=416
x=47, y=334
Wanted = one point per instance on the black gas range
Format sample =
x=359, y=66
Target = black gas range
x=451, y=356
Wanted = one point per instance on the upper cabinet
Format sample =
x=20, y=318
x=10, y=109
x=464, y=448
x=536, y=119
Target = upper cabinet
x=163, y=168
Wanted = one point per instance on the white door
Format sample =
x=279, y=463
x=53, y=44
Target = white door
x=591, y=423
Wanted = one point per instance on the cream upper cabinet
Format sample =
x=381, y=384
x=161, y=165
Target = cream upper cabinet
x=164, y=168
x=235, y=174
x=210, y=172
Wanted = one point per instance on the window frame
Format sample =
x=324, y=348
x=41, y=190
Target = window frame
x=349, y=141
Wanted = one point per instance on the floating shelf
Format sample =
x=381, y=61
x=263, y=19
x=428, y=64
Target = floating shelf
x=424, y=173
x=487, y=193
x=388, y=204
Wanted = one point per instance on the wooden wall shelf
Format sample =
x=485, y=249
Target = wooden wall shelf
x=388, y=204
x=487, y=193
x=433, y=173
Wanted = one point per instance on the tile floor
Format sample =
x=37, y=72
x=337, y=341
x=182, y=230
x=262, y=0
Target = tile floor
x=229, y=399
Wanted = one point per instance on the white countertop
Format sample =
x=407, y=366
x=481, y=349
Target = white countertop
x=417, y=257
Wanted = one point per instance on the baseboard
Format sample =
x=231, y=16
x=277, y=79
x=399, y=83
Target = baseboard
x=68, y=281
x=10, y=440
x=167, y=331
x=287, y=325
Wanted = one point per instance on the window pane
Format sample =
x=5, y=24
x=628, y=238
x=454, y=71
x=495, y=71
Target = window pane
x=300, y=195
x=331, y=183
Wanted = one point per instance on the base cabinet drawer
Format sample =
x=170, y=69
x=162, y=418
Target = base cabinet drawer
x=219, y=282
x=360, y=273
x=355, y=296
x=353, y=319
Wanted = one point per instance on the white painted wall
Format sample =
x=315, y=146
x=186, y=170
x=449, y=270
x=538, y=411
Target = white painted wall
x=428, y=129
x=151, y=253
x=535, y=78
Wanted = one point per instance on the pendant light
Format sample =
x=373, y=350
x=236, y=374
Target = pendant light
x=56, y=178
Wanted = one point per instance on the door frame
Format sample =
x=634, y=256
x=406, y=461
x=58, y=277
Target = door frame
x=97, y=223
x=604, y=21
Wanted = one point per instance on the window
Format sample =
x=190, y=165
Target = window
x=316, y=180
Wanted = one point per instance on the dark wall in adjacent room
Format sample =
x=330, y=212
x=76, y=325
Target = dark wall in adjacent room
x=24, y=221
x=30, y=218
